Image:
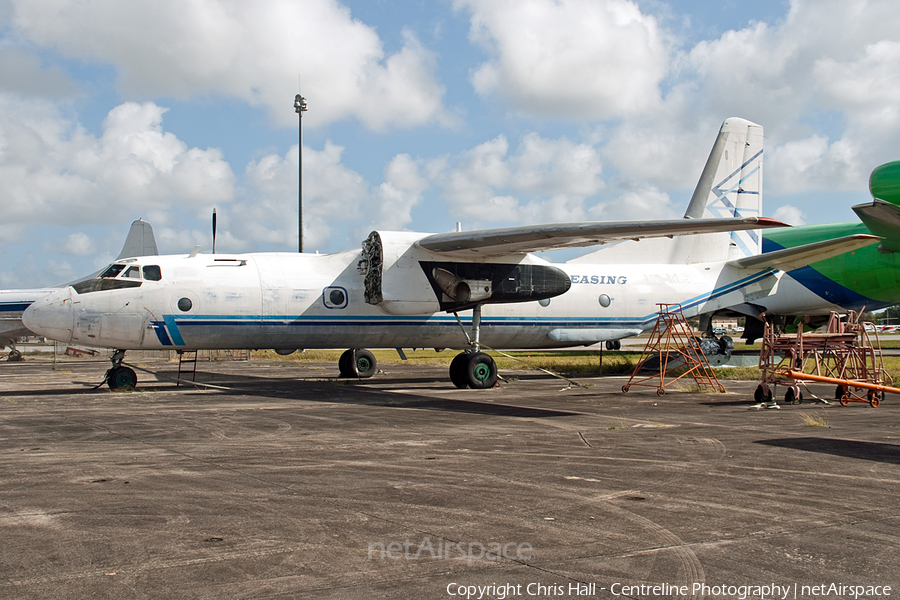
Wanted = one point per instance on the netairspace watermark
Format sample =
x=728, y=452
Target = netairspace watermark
x=772, y=591
x=445, y=549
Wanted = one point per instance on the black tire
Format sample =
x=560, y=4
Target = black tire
x=481, y=371
x=760, y=396
x=613, y=345
x=365, y=363
x=458, y=370
x=345, y=364
x=122, y=378
x=790, y=398
x=839, y=392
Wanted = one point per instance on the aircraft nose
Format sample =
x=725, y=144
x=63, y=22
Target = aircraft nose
x=52, y=316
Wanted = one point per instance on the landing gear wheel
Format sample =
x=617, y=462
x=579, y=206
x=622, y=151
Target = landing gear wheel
x=345, y=364
x=791, y=398
x=357, y=363
x=365, y=363
x=480, y=371
x=121, y=378
x=613, y=345
x=14, y=356
x=458, y=370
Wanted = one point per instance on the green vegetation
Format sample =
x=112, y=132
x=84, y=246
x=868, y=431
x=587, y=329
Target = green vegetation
x=812, y=421
x=573, y=364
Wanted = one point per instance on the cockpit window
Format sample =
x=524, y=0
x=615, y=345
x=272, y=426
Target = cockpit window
x=112, y=271
x=152, y=273
x=132, y=273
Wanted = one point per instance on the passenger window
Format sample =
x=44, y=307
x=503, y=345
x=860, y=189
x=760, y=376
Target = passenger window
x=133, y=273
x=152, y=273
x=112, y=271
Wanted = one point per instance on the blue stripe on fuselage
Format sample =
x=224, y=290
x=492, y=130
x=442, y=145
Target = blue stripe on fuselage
x=14, y=306
x=825, y=287
x=173, y=323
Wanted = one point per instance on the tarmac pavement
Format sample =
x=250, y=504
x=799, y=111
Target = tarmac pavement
x=287, y=482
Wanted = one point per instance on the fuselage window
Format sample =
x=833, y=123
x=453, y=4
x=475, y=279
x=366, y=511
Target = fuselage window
x=112, y=271
x=132, y=273
x=152, y=273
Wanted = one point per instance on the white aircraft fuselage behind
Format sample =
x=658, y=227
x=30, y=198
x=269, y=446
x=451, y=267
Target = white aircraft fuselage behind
x=289, y=301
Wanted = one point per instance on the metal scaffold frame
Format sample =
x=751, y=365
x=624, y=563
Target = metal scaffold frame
x=673, y=340
x=843, y=355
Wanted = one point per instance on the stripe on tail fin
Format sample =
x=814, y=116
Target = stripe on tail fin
x=729, y=186
x=731, y=183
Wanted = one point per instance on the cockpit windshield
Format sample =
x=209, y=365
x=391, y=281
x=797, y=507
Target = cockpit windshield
x=118, y=276
x=111, y=271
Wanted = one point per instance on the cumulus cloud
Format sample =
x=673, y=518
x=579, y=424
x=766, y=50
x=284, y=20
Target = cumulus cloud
x=332, y=195
x=56, y=172
x=789, y=214
x=22, y=73
x=829, y=57
x=253, y=51
x=543, y=180
x=572, y=59
x=79, y=244
x=401, y=191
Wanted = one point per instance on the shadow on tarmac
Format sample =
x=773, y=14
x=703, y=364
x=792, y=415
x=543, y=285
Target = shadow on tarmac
x=876, y=451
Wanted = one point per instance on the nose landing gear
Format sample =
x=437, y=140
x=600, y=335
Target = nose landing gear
x=119, y=377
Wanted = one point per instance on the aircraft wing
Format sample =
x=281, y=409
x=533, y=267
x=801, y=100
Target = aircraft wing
x=800, y=256
x=536, y=238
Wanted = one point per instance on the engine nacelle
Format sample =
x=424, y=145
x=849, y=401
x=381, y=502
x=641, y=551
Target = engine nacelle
x=402, y=278
x=884, y=182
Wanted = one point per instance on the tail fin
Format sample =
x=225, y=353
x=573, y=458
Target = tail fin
x=140, y=241
x=730, y=186
x=731, y=182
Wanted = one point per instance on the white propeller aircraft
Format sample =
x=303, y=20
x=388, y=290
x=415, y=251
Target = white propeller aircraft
x=406, y=290
x=138, y=242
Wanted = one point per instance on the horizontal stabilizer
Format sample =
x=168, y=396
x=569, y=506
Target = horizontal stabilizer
x=537, y=238
x=794, y=258
x=882, y=218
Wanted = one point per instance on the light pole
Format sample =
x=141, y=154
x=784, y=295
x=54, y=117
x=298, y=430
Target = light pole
x=300, y=108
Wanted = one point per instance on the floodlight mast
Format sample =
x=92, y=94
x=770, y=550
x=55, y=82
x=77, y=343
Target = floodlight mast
x=300, y=108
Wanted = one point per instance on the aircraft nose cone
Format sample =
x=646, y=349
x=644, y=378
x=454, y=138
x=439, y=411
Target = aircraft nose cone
x=52, y=316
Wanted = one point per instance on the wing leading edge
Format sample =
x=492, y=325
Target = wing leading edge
x=537, y=238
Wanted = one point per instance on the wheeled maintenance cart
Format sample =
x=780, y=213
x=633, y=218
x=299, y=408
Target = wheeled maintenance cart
x=843, y=354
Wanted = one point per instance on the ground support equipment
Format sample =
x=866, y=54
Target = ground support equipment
x=673, y=341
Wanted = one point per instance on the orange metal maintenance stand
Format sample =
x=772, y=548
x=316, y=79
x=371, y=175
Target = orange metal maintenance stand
x=843, y=355
x=673, y=341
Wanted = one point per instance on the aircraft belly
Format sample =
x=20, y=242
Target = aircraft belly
x=792, y=297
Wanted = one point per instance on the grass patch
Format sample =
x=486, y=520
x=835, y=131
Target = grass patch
x=812, y=421
x=572, y=364
x=566, y=363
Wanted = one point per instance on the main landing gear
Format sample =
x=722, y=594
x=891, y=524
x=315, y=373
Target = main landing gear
x=358, y=363
x=473, y=368
x=119, y=377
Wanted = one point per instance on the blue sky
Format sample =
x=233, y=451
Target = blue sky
x=421, y=114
